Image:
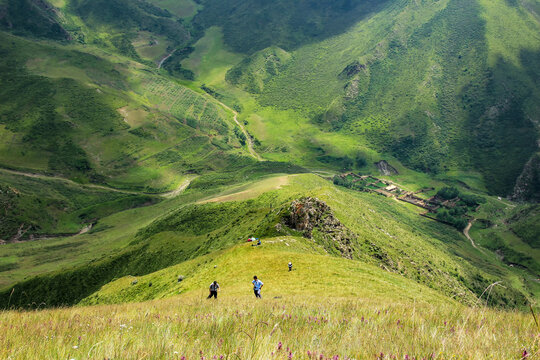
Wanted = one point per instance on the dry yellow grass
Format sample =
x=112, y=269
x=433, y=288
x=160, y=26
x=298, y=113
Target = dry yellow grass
x=242, y=328
x=253, y=190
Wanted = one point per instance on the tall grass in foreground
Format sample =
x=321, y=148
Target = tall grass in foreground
x=292, y=328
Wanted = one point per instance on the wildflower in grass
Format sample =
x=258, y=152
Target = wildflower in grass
x=279, y=346
x=524, y=354
x=290, y=355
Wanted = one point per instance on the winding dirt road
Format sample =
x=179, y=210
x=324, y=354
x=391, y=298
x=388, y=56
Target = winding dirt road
x=162, y=61
x=168, y=195
x=466, y=233
x=248, y=137
x=249, y=140
x=180, y=189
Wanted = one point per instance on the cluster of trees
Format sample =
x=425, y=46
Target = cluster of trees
x=348, y=182
x=448, y=193
x=240, y=135
x=457, y=215
x=454, y=216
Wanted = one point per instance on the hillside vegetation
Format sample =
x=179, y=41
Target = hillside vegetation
x=431, y=83
x=388, y=149
x=403, y=243
x=298, y=327
x=368, y=312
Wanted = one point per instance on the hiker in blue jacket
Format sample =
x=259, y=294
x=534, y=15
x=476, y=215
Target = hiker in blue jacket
x=257, y=286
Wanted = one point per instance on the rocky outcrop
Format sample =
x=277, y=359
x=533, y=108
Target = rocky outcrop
x=385, y=168
x=527, y=186
x=351, y=70
x=315, y=219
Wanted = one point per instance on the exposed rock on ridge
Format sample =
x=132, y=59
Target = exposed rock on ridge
x=313, y=217
x=527, y=186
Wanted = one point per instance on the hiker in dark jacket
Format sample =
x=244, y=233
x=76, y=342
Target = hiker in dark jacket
x=214, y=288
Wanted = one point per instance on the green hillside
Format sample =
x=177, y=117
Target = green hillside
x=403, y=243
x=362, y=297
x=431, y=83
x=388, y=149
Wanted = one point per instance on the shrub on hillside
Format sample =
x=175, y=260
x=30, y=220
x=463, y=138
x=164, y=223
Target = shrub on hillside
x=448, y=193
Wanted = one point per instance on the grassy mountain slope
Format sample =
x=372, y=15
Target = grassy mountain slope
x=80, y=122
x=253, y=25
x=38, y=207
x=301, y=327
x=118, y=102
x=431, y=83
x=387, y=233
x=78, y=112
x=315, y=273
x=29, y=17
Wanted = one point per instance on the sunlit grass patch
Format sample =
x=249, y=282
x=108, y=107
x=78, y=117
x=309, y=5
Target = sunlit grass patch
x=300, y=327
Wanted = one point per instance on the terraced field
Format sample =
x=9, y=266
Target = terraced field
x=184, y=104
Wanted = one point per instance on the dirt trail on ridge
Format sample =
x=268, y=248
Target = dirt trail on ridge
x=254, y=190
x=168, y=194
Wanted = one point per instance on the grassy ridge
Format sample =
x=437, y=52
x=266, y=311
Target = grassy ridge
x=316, y=274
x=388, y=234
x=361, y=318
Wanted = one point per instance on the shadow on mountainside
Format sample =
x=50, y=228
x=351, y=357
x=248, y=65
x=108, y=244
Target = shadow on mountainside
x=252, y=25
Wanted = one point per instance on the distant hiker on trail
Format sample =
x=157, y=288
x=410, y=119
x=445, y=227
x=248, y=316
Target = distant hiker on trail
x=257, y=286
x=252, y=239
x=214, y=288
x=290, y=266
